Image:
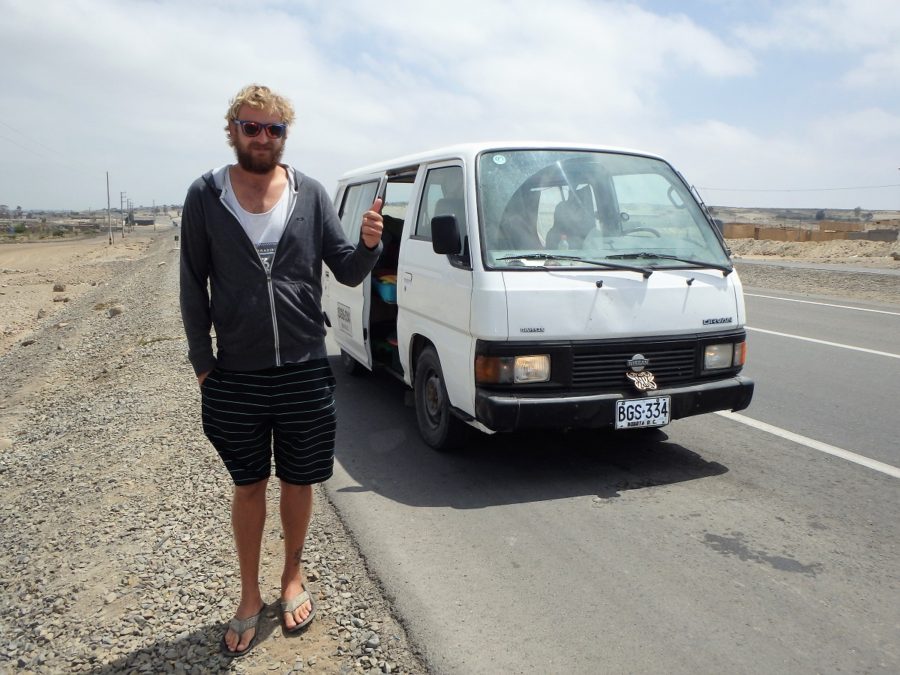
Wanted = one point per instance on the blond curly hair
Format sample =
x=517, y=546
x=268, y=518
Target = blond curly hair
x=262, y=98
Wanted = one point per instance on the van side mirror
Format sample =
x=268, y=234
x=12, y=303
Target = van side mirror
x=445, y=235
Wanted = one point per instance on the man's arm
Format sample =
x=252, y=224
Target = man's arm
x=194, y=274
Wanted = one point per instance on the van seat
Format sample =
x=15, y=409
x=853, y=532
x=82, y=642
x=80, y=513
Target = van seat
x=574, y=218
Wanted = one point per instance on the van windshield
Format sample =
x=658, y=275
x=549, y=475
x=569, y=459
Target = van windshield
x=581, y=208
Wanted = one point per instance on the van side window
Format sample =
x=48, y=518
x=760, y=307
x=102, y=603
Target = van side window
x=357, y=200
x=443, y=195
x=396, y=201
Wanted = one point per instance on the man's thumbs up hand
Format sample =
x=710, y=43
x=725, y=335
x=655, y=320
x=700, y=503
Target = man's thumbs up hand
x=372, y=224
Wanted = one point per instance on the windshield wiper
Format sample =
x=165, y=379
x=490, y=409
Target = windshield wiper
x=645, y=255
x=646, y=271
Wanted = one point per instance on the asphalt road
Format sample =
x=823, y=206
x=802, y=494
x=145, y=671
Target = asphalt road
x=844, y=388
x=710, y=546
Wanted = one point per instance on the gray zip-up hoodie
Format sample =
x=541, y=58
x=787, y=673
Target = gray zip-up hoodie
x=262, y=318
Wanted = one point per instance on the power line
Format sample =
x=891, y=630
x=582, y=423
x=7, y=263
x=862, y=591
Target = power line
x=38, y=143
x=6, y=138
x=831, y=189
x=59, y=159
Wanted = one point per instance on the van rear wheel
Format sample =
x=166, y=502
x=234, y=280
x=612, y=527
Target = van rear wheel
x=439, y=427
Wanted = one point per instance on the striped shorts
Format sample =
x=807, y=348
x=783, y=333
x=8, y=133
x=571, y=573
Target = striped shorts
x=293, y=404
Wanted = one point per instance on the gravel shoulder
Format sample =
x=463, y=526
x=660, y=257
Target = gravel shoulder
x=115, y=542
x=870, y=287
x=851, y=270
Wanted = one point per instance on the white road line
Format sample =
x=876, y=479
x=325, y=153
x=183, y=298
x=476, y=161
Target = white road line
x=815, y=445
x=825, y=342
x=823, y=304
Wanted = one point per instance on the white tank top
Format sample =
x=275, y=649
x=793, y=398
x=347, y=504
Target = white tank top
x=263, y=229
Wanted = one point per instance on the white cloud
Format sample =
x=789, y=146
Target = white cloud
x=829, y=25
x=732, y=165
x=140, y=88
x=878, y=70
x=601, y=59
x=869, y=127
x=866, y=30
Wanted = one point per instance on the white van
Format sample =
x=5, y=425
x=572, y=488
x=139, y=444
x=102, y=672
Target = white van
x=527, y=285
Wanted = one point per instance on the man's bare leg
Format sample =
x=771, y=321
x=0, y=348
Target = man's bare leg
x=248, y=519
x=296, y=511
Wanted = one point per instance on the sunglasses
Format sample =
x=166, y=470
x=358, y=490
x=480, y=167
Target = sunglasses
x=252, y=129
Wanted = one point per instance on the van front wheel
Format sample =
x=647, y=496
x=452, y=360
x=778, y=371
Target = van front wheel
x=439, y=427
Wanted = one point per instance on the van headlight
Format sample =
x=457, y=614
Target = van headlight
x=725, y=355
x=512, y=369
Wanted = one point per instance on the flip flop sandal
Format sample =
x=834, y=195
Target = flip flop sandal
x=239, y=626
x=288, y=607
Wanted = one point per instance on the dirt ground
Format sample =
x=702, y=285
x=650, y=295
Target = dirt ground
x=885, y=255
x=29, y=272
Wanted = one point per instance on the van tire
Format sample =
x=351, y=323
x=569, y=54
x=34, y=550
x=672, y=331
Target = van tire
x=351, y=366
x=439, y=427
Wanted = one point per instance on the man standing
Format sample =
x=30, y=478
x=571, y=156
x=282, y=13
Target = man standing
x=257, y=232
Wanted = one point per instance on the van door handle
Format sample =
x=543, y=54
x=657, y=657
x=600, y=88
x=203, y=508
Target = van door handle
x=407, y=276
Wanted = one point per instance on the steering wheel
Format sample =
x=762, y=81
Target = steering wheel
x=655, y=233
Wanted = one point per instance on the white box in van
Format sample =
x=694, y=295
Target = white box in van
x=539, y=285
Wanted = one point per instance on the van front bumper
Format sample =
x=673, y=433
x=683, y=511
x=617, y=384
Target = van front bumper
x=508, y=412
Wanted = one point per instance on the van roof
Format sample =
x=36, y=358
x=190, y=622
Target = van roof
x=468, y=151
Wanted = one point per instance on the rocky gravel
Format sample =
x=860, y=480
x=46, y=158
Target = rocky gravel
x=115, y=542
x=850, y=283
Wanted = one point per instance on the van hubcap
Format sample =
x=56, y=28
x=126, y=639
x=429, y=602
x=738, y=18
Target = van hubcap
x=433, y=398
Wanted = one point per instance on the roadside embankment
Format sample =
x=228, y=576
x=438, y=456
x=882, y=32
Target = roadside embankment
x=115, y=542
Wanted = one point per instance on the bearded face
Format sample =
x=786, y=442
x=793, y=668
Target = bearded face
x=258, y=156
x=261, y=153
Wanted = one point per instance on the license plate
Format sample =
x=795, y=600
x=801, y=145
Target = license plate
x=634, y=413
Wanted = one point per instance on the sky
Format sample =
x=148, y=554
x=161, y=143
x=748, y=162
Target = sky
x=794, y=103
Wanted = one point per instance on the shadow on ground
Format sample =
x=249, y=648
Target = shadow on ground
x=379, y=446
x=199, y=647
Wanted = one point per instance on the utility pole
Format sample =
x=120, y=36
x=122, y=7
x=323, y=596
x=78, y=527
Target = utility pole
x=108, y=221
x=122, y=211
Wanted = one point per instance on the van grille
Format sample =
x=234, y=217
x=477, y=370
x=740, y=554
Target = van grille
x=604, y=369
